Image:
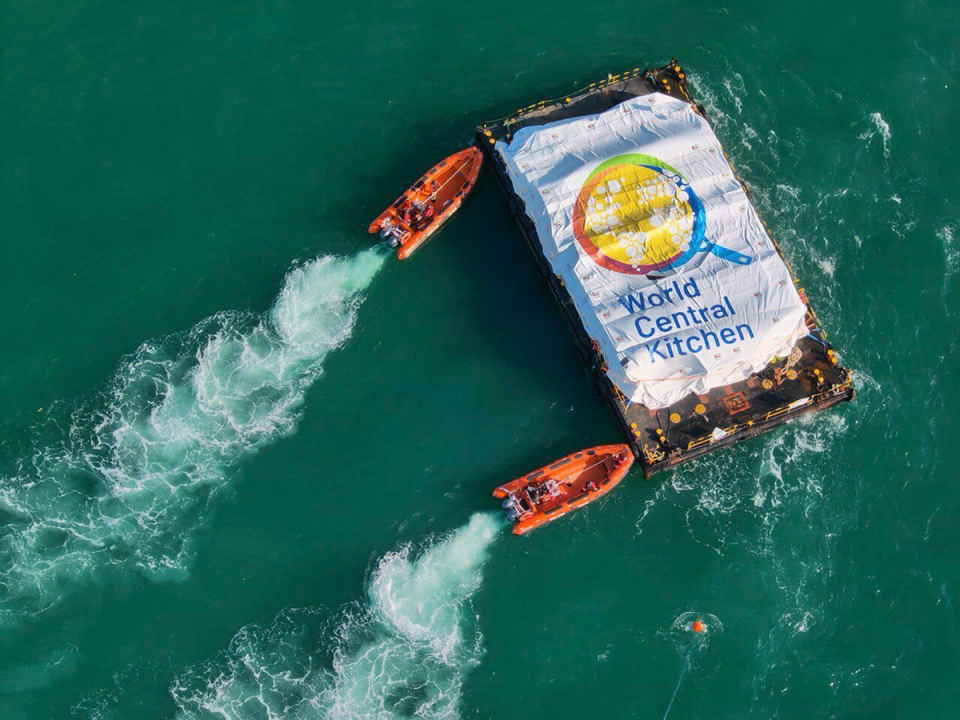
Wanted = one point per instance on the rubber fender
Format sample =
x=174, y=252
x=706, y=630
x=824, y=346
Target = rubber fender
x=600, y=389
x=584, y=354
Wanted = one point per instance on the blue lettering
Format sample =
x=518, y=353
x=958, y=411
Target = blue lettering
x=741, y=328
x=632, y=305
x=680, y=316
x=726, y=334
x=719, y=311
x=706, y=335
x=640, y=330
x=654, y=352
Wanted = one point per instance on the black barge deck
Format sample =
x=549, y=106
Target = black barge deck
x=810, y=380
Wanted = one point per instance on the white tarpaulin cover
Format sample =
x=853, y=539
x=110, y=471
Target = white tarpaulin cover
x=640, y=214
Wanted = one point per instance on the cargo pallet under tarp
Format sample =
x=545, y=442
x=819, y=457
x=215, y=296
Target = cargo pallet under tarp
x=696, y=424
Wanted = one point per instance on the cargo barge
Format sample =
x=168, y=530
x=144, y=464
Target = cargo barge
x=687, y=315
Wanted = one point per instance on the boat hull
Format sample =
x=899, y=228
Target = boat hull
x=443, y=188
x=580, y=477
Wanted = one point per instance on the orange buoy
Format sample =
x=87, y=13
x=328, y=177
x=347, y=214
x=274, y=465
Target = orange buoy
x=697, y=626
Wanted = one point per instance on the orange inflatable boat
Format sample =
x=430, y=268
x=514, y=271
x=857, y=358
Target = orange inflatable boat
x=563, y=486
x=429, y=203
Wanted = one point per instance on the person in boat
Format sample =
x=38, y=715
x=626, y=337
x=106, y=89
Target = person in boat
x=590, y=486
x=424, y=216
x=536, y=491
x=533, y=492
x=407, y=215
x=434, y=188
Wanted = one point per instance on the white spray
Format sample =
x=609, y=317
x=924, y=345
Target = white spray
x=402, y=653
x=128, y=485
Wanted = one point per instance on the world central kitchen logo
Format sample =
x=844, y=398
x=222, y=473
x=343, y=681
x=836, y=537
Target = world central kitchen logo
x=637, y=215
x=670, y=330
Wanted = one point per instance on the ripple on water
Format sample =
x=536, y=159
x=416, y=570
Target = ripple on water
x=125, y=482
x=404, y=652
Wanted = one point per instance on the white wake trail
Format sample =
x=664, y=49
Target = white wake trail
x=402, y=653
x=126, y=484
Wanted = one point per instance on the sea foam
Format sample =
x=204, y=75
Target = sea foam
x=403, y=652
x=126, y=483
x=881, y=128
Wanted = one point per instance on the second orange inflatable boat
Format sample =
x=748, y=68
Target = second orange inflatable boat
x=563, y=486
x=430, y=201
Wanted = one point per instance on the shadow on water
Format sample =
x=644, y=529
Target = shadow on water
x=478, y=277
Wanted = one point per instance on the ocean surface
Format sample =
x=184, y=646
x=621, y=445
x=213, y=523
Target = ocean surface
x=246, y=457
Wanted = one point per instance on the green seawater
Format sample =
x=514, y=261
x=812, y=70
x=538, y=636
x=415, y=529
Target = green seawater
x=246, y=459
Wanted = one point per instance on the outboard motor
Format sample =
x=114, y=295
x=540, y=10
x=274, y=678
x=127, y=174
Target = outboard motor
x=386, y=234
x=512, y=507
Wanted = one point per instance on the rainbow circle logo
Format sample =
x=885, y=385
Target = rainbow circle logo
x=635, y=214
